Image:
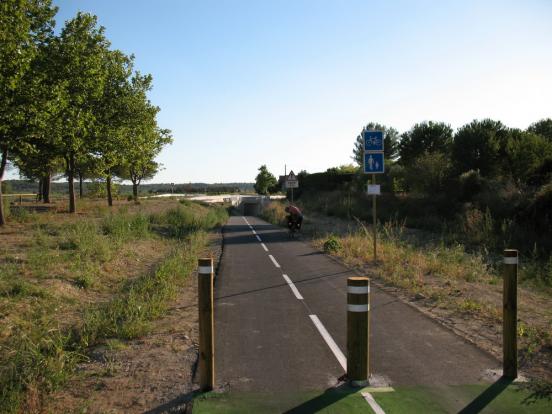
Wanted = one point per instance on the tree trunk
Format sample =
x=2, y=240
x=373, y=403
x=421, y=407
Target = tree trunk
x=39, y=190
x=80, y=185
x=3, y=163
x=135, y=191
x=71, y=179
x=109, y=196
x=46, y=188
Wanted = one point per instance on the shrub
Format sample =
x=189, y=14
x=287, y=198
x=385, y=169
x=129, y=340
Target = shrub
x=122, y=226
x=332, y=245
x=471, y=183
x=274, y=212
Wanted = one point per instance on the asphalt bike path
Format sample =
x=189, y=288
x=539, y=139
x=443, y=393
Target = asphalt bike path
x=407, y=347
x=264, y=341
x=280, y=337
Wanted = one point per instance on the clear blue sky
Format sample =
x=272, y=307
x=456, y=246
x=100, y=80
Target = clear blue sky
x=245, y=83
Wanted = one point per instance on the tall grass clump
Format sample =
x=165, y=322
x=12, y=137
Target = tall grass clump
x=39, y=359
x=190, y=217
x=121, y=226
x=274, y=212
x=86, y=242
x=143, y=299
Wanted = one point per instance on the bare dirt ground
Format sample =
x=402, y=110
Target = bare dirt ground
x=153, y=374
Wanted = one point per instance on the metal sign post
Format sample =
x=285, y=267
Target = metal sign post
x=374, y=163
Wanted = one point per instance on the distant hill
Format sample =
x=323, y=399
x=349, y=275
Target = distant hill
x=25, y=186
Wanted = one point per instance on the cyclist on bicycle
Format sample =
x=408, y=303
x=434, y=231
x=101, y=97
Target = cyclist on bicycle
x=294, y=217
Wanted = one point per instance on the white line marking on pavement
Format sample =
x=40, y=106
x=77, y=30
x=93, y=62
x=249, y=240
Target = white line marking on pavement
x=244, y=219
x=264, y=247
x=254, y=232
x=274, y=260
x=331, y=343
x=258, y=238
x=292, y=287
x=373, y=404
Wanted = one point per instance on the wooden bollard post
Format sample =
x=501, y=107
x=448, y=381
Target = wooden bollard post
x=206, y=325
x=358, y=332
x=509, y=314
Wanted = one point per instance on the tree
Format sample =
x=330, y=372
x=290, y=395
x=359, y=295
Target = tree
x=143, y=166
x=111, y=113
x=425, y=137
x=264, y=180
x=24, y=24
x=427, y=174
x=480, y=145
x=527, y=153
x=343, y=169
x=79, y=62
x=390, y=142
x=144, y=138
x=543, y=128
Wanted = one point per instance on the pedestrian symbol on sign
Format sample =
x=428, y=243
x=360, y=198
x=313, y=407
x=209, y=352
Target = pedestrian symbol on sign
x=373, y=163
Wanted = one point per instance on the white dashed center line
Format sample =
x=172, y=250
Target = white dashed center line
x=292, y=287
x=274, y=261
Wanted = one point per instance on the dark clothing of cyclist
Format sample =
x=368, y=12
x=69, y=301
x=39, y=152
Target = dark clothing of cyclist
x=294, y=216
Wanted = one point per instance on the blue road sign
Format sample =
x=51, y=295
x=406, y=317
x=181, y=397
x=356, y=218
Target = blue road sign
x=373, y=141
x=373, y=163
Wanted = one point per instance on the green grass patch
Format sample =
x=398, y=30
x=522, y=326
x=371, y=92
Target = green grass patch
x=143, y=299
x=341, y=400
x=497, y=398
x=36, y=354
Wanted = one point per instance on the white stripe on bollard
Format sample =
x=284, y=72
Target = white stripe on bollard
x=205, y=270
x=358, y=308
x=358, y=289
x=510, y=260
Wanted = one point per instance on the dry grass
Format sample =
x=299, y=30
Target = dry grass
x=455, y=285
x=68, y=281
x=462, y=288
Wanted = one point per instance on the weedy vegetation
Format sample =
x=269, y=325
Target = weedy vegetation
x=70, y=283
x=439, y=272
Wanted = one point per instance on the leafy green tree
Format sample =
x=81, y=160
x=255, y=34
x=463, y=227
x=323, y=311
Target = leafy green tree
x=543, y=128
x=390, y=142
x=425, y=137
x=343, y=169
x=24, y=25
x=480, y=145
x=79, y=68
x=264, y=180
x=144, y=140
x=527, y=152
x=428, y=173
x=111, y=113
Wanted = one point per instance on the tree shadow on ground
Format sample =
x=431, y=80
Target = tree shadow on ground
x=539, y=390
